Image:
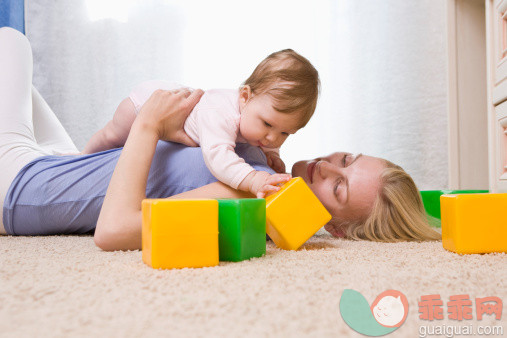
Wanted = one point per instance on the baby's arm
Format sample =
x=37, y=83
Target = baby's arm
x=261, y=183
x=274, y=160
x=116, y=131
x=217, y=135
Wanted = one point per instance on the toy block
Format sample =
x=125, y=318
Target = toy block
x=431, y=200
x=474, y=223
x=180, y=233
x=294, y=214
x=241, y=228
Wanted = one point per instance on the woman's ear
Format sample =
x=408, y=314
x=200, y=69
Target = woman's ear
x=245, y=94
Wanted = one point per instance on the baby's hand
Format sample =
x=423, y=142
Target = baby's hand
x=264, y=184
x=275, y=162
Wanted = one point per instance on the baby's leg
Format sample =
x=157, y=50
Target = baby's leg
x=116, y=131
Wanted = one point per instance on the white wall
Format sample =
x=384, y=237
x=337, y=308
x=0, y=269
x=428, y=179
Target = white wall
x=382, y=65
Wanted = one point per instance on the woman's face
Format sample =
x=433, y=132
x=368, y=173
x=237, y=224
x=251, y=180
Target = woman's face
x=345, y=183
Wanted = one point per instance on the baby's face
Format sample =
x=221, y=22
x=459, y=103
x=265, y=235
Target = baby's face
x=262, y=125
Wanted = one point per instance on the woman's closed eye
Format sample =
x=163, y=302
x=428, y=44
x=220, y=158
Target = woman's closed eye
x=344, y=160
x=336, y=186
x=348, y=159
x=267, y=124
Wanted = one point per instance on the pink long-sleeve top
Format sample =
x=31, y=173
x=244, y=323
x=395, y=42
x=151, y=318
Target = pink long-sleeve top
x=213, y=124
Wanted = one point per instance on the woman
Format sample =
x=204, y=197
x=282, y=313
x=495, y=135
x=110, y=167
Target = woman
x=368, y=197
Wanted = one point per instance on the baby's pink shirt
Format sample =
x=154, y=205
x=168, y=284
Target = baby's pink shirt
x=213, y=124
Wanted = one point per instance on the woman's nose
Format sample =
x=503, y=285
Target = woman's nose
x=326, y=169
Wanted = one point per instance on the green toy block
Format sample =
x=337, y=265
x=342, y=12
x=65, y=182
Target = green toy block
x=431, y=201
x=242, y=228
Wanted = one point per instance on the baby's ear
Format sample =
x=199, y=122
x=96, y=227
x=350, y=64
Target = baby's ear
x=245, y=93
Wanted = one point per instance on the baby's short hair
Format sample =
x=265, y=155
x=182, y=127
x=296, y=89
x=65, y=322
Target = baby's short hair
x=291, y=80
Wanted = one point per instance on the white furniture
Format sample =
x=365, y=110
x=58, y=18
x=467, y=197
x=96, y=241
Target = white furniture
x=496, y=30
x=477, y=54
x=467, y=95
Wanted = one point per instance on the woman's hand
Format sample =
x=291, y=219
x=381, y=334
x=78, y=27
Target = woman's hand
x=165, y=113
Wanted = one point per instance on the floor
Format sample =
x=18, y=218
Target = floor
x=64, y=286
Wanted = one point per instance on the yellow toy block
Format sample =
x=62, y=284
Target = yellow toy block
x=294, y=214
x=474, y=223
x=180, y=233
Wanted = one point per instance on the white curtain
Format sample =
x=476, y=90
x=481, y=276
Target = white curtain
x=382, y=65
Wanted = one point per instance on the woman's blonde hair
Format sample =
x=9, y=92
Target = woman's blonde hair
x=291, y=80
x=397, y=214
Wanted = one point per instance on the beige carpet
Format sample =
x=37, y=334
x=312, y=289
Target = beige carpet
x=64, y=286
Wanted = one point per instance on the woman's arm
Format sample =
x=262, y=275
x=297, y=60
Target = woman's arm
x=214, y=190
x=119, y=223
x=162, y=117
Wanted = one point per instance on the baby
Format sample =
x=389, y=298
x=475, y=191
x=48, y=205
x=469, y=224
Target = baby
x=277, y=100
